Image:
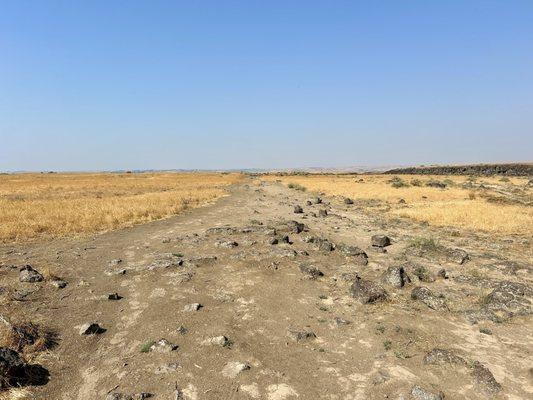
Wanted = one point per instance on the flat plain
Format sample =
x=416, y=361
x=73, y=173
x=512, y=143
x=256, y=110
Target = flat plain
x=229, y=286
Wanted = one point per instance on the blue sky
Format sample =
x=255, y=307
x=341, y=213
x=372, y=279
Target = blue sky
x=103, y=85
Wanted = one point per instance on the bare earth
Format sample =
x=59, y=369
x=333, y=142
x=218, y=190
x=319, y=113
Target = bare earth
x=295, y=335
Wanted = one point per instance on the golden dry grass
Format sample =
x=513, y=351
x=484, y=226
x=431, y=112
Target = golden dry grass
x=16, y=394
x=35, y=205
x=455, y=206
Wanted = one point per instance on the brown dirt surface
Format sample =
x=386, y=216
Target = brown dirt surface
x=266, y=327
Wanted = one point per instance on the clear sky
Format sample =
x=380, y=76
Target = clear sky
x=103, y=85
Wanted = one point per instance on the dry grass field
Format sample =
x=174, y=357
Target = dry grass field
x=494, y=204
x=34, y=205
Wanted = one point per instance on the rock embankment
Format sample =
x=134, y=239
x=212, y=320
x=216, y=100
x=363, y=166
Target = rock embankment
x=525, y=169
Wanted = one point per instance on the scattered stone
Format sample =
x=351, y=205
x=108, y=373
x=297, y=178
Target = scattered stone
x=380, y=241
x=402, y=201
x=228, y=244
x=113, y=296
x=234, y=368
x=341, y=321
x=442, y=356
x=122, y=396
x=192, y=307
x=295, y=227
x=115, y=262
x=426, y=296
x=322, y=213
x=120, y=271
x=167, y=368
x=91, y=329
x=316, y=200
x=11, y=366
x=507, y=300
x=163, y=346
x=311, y=271
x=284, y=239
x=484, y=379
x=396, y=276
x=419, y=393
x=358, y=255
x=298, y=210
x=458, y=256
x=221, y=341
x=308, y=203
x=443, y=273
x=273, y=241
x=58, y=283
x=28, y=274
x=422, y=274
x=348, y=201
x=21, y=294
x=367, y=291
x=166, y=240
x=322, y=244
x=300, y=336
x=181, y=330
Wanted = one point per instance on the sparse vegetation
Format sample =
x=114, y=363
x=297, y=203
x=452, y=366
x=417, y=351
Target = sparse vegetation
x=296, y=186
x=145, y=348
x=426, y=245
x=458, y=205
x=485, y=331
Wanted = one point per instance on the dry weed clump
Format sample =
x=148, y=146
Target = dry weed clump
x=34, y=205
x=488, y=204
x=26, y=337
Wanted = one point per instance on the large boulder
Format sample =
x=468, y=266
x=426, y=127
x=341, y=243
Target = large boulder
x=396, y=276
x=380, y=241
x=355, y=253
x=485, y=380
x=426, y=296
x=367, y=291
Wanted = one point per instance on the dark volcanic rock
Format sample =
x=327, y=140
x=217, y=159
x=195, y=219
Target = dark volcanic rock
x=458, y=256
x=420, y=393
x=359, y=256
x=505, y=301
x=300, y=336
x=367, y=291
x=479, y=169
x=91, y=329
x=295, y=226
x=28, y=274
x=310, y=271
x=11, y=366
x=396, y=276
x=442, y=356
x=426, y=296
x=485, y=380
x=380, y=241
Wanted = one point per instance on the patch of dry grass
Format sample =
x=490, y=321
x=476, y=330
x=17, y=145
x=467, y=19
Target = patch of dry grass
x=465, y=202
x=34, y=205
x=16, y=394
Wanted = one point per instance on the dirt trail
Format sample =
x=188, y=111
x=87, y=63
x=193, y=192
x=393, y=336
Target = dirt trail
x=288, y=334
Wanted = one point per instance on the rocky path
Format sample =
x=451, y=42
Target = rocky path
x=246, y=299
